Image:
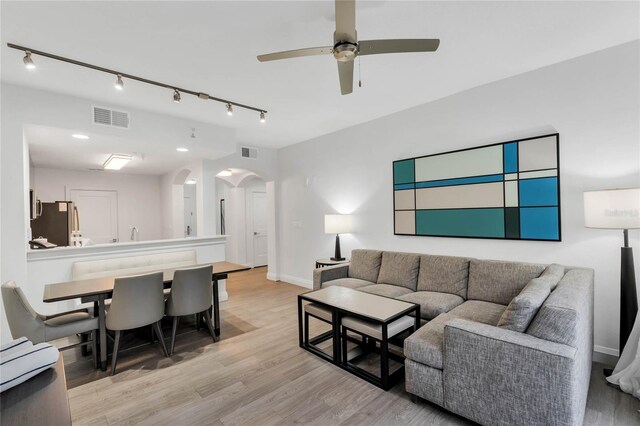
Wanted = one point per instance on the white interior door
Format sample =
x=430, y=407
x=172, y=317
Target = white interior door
x=259, y=206
x=98, y=214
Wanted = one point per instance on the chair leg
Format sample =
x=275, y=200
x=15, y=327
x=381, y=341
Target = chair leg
x=158, y=329
x=114, y=355
x=84, y=338
x=176, y=319
x=94, y=348
x=207, y=317
x=196, y=317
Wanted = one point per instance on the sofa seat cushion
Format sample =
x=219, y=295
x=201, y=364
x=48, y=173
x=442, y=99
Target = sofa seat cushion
x=347, y=282
x=400, y=269
x=432, y=303
x=426, y=345
x=444, y=274
x=365, y=264
x=386, y=290
x=479, y=311
x=499, y=281
x=525, y=306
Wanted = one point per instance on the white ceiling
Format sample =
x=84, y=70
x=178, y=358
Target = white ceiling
x=212, y=47
x=55, y=148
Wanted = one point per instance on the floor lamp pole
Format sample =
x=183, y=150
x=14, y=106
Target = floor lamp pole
x=628, y=294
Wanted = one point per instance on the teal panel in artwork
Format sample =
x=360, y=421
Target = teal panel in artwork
x=486, y=223
x=404, y=172
x=539, y=223
x=539, y=192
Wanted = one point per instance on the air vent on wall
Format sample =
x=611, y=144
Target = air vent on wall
x=249, y=152
x=109, y=117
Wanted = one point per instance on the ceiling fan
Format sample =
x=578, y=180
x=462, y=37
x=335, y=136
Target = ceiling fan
x=346, y=46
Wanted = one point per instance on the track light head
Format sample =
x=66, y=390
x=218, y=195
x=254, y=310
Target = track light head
x=119, y=83
x=262, y=117
x=229, y=109
x=28, y=62
x=176, y=96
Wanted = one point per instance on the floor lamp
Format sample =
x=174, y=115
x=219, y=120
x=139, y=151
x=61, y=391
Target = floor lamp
x=618, y=209
x=337, y=224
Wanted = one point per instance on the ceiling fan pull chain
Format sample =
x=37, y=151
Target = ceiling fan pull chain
x=359, y=77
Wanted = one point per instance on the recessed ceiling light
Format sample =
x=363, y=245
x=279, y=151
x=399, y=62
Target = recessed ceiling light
x=79, y=136
x=190, y=182
x=225, y=173
x=182, y=149
x=116, y=161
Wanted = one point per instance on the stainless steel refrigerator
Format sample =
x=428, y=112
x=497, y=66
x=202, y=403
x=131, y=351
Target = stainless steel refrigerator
x=56, y=222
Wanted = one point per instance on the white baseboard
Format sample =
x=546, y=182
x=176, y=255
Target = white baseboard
x=272, y=277
x=606, y=351
x=297, y=281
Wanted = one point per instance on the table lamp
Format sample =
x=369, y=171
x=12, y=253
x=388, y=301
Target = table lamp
x=337, y=224
x=618, y=209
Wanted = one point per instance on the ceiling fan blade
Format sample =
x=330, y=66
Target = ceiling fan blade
x=345, y=21
x=345, y=72
x=311, y=51
x=375, y=47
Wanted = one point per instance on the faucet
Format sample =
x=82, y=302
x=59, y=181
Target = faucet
x=134, y=233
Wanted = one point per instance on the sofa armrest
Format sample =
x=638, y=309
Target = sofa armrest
x=498, y=376
x=322, y=275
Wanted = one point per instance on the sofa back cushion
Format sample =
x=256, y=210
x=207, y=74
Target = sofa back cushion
x=399, y=269
x=567, y=315
x=525, y=305
x=444, y=274
x=365, y=264
x=132, y=265
x=499, y=281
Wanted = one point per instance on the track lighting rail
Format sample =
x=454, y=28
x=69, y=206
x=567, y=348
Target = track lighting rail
x=124, y=75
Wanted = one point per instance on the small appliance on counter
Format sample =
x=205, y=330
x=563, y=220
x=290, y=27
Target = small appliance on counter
x=58, y=223
x=41, y=243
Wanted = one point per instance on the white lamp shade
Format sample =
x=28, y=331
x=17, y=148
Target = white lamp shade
x=337, y=223
x=612, y=209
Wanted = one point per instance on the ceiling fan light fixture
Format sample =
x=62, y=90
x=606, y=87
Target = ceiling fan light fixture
x=229, y=109
x=263, y=118
x=119, y=83
x=28, y=62
x=176, y=96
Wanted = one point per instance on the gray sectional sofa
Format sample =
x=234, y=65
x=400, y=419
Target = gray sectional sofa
x=503, y=343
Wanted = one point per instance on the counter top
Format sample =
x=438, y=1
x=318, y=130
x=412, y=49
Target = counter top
x=34, y=255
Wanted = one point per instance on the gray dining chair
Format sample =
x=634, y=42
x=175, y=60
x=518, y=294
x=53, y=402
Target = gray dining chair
x=24, y=321
x=137, y=301
x=191, y=293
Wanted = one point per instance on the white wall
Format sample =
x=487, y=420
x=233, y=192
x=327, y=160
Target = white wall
x=592, y=101
x=139, y=197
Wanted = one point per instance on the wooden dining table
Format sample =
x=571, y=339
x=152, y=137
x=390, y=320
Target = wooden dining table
x=100, y=289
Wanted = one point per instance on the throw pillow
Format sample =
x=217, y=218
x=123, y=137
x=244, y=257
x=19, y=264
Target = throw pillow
x=524, y=307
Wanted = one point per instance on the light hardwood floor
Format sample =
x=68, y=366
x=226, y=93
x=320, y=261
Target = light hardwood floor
x=258, y=375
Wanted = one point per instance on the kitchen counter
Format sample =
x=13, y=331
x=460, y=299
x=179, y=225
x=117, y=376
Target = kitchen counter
x=34, y=255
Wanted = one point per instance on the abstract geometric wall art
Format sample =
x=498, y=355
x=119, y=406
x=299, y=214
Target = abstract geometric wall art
x=509, y=190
